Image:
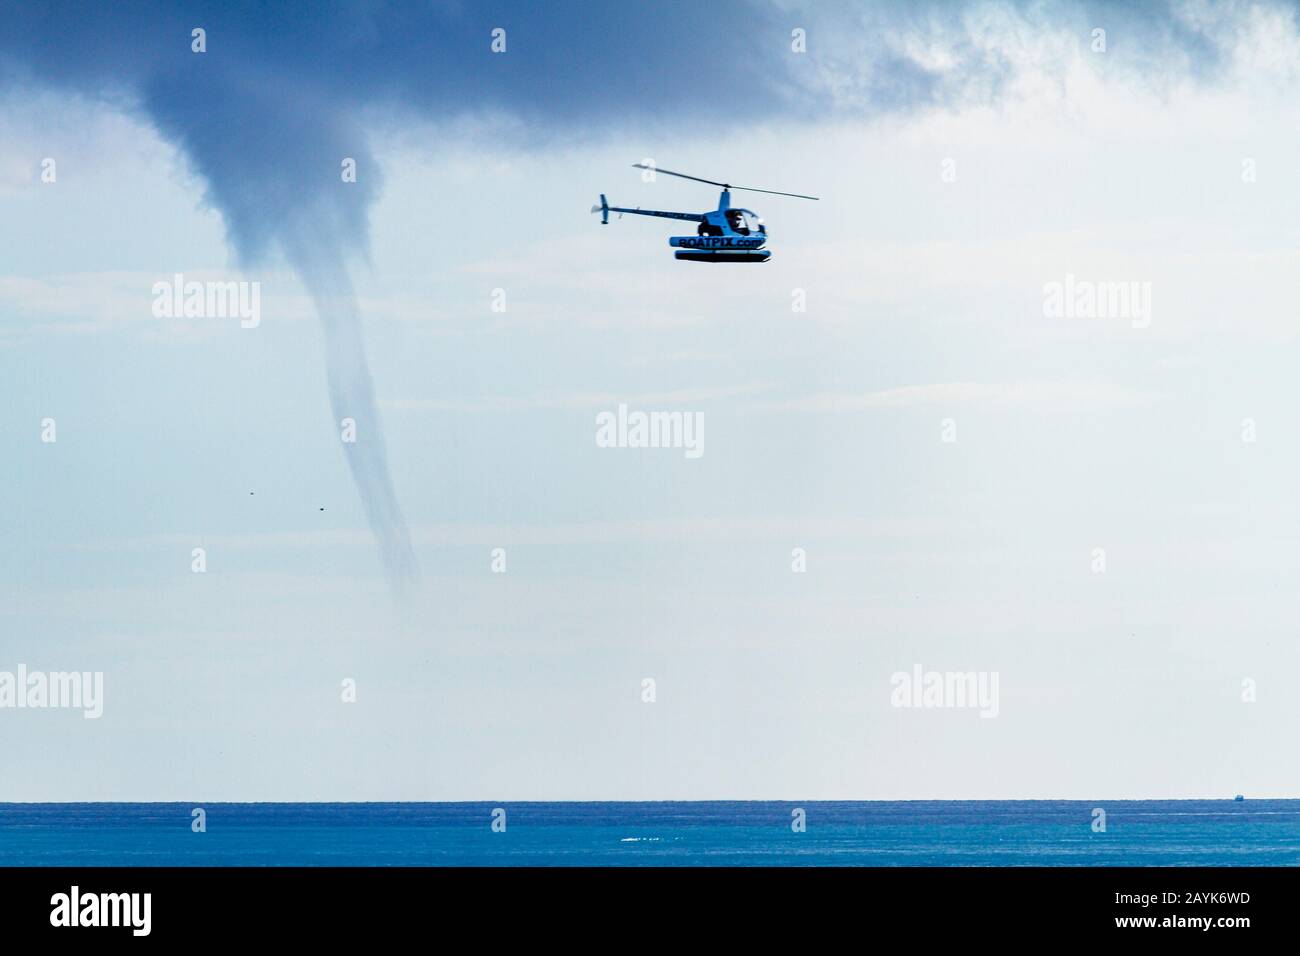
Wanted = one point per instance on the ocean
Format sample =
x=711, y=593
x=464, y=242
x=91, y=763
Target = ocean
x=707, y=833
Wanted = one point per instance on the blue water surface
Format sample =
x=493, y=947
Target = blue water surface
x=712, y=833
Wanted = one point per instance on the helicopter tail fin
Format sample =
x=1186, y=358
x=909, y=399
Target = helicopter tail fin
x=603, y=209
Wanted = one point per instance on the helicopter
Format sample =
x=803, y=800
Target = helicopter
x=727, y=234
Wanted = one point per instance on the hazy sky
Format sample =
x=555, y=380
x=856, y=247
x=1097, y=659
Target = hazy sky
x=966, y=159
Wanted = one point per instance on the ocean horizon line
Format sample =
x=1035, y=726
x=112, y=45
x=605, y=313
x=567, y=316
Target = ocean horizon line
x=756, y=800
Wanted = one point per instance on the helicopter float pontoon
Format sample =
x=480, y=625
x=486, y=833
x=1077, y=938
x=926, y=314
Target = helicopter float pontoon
x=726, y=234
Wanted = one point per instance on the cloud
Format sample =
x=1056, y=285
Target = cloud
x=958, y=393
x=668, y=530
x=269, y=112
x=948, y=393
x=100, y=301
x=657, y=400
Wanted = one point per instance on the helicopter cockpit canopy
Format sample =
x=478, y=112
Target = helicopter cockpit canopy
x=745, y=223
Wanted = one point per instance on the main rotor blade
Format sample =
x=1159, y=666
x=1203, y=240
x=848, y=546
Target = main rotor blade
x=660, y=169
x=711, y=182
x=772, y=192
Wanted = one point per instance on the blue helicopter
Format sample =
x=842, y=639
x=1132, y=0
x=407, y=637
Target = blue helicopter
x=727, y=234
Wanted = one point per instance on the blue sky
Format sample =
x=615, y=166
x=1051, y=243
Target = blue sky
x=823, y=428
